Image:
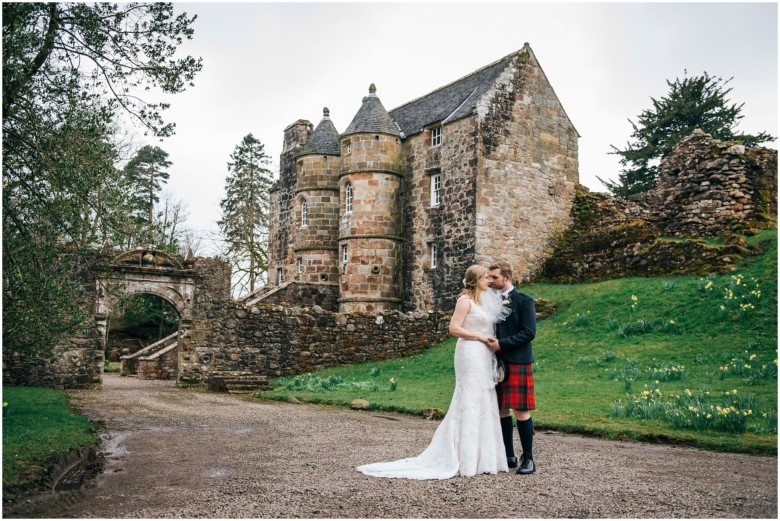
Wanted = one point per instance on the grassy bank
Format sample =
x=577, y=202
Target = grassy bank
x=38, y=428
x=676, y=359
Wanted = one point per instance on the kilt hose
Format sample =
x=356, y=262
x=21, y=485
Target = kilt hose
x=517, y=390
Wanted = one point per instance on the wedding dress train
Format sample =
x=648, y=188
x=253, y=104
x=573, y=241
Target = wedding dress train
x=468, y=441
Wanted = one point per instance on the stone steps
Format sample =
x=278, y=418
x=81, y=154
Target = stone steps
x=237, y=383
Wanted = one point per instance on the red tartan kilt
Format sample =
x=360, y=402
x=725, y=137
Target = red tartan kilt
x=517, y=390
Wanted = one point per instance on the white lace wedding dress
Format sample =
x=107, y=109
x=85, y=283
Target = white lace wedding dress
x=468, y=441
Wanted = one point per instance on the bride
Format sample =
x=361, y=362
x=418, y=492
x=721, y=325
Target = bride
x=468, y=441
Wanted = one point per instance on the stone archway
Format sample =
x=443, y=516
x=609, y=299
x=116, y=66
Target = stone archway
x=147, y=271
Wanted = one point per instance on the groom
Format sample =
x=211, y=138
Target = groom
x=516, y=391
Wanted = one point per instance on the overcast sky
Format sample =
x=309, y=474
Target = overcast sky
x=266, y=65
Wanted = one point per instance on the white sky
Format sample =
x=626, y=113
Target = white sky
x=268, y=64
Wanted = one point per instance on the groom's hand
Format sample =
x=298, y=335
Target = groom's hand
x=492, y=343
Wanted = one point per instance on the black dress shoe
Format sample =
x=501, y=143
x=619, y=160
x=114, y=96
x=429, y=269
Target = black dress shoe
x=512, y=462
x=526, y=466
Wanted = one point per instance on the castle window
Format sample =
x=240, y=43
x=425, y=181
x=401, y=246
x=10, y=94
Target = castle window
x=434, y=254
x=299, y=264
x=436, y=190
x=348, y=196
x=304, y=212
x=279, y=276
x=435, y=136
x=344, y=254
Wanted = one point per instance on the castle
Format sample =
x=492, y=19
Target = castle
x=389, y=214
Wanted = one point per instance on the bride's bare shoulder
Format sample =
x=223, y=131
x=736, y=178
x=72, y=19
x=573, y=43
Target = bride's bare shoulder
x=464, y=298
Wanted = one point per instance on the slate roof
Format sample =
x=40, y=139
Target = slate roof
x=372, y=117
x=324, y=139
x=451, y=102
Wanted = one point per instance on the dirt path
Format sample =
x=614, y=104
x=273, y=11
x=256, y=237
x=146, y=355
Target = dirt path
x=184, y=453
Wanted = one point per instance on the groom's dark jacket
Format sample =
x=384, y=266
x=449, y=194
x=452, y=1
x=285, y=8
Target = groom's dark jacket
x=516, y=332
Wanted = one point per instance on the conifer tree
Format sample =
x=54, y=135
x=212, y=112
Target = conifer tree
x=691, y=103
x=245, y=211
x=146, y=176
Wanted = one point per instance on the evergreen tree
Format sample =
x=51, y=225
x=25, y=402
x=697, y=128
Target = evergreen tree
x=691, y=103
x=69, y=71
x=244, y=222
x=146, y=175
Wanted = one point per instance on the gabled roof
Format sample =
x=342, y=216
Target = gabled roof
x=372, y=117
x=324, y=139
x=451, y=102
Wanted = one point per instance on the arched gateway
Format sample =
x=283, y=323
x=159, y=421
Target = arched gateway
x=152, y=272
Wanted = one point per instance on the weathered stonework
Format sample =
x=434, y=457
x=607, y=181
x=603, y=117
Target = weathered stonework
x=707, y=188
x=531, y=170
x=274, y=340
x=505, y=155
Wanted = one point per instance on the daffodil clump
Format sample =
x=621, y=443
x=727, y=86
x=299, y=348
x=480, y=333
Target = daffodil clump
x=666, y=372
x=739, y=298
x=751, y=367
x=735, y=412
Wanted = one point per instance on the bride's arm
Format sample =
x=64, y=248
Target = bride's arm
x=456, y=322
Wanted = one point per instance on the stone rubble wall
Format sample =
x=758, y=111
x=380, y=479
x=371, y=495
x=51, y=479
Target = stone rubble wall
x=706, y=189
x=274, y=341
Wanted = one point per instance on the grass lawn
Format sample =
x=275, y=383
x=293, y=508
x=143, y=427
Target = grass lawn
x=38, y=427
x=640, y=358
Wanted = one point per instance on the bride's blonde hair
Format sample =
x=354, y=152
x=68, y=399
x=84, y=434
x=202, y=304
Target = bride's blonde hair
x=473, y=275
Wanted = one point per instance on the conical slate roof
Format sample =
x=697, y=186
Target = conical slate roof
x=324, y=140
x=372, y=117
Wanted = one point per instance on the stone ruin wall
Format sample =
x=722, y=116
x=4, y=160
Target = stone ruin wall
x=707, y=188
x=529, y=170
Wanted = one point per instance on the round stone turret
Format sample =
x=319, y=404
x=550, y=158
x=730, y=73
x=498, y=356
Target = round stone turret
x=316, y=206
x=369, y=228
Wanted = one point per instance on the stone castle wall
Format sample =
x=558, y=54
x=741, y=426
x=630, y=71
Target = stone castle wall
x=528, y=171
x=315, y=244
x=451, y=225
x=370, y=279
x=281, y=225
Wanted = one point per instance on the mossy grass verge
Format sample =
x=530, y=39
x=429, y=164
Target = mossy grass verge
x=38, y=429
x=609, y=343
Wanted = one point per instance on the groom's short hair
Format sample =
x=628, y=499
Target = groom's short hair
x=504, y=266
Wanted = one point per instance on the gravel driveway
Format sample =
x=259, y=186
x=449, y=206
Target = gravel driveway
x=185, y=453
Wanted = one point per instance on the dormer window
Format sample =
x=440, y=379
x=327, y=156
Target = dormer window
x=435, y=136
x=348, y=196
